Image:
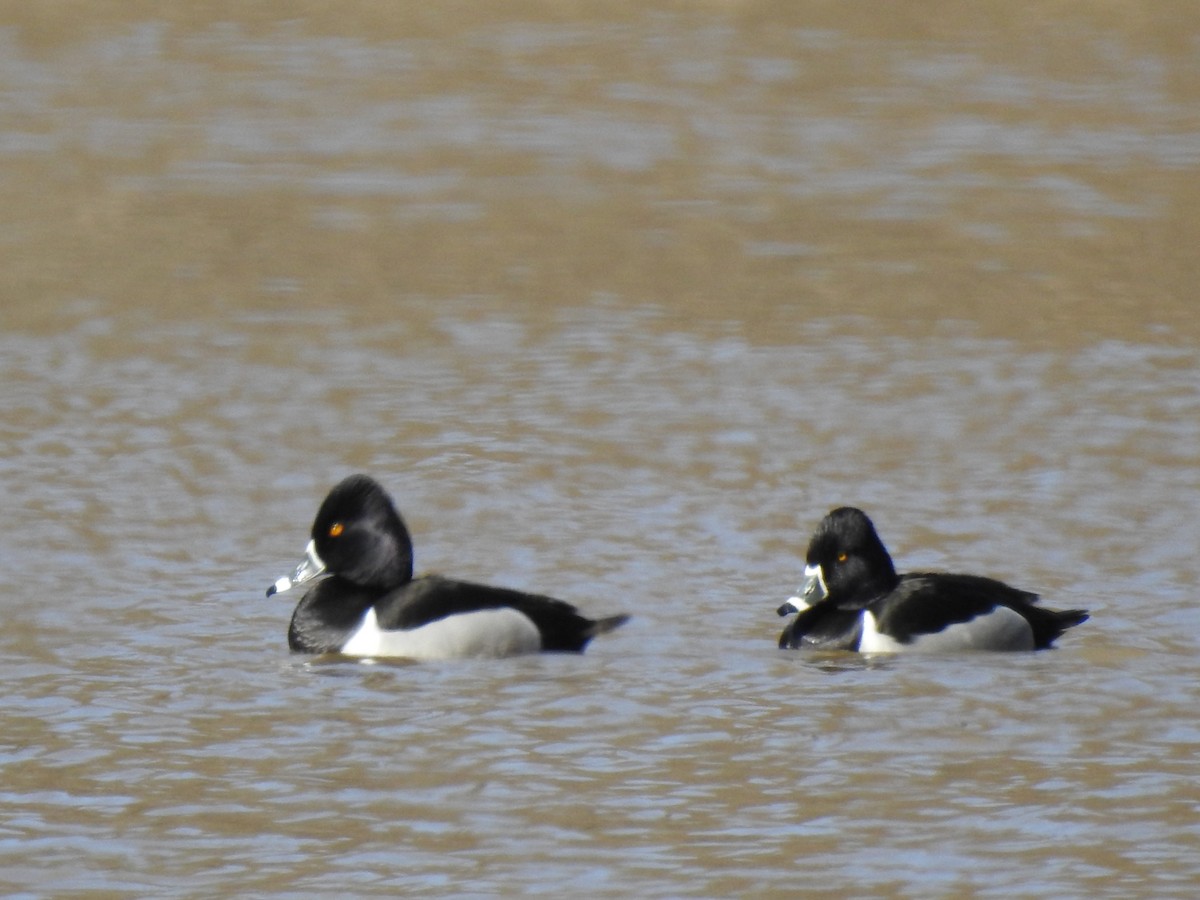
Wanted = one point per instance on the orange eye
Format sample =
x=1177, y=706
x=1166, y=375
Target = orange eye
x=841, y=557
x=336, y=529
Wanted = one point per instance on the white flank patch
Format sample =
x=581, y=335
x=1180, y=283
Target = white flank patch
x=1001, y=629
x=874, y=642
x=487, y=633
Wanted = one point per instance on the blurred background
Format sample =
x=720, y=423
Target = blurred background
x=617, y=300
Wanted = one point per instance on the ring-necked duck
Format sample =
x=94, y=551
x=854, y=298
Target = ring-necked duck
x=854, y=600
x=371, y=606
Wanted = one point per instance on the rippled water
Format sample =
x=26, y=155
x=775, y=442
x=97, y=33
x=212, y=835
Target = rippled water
x=619, y=324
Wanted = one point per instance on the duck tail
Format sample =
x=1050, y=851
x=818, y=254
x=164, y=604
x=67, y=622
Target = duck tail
x=602, y=626
x=1069, y=618
x=1049, y=624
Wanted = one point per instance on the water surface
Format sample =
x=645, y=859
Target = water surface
x=617, y=305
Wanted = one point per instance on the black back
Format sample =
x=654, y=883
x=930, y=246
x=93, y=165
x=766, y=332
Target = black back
x=926, y=602
x=433, y=597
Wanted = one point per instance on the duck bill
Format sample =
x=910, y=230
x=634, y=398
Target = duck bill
x=814, y=585
x=792, y=605
x=310, y=567
x=811, y=593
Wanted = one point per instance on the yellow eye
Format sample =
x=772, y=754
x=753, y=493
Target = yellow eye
x=336, y=529
x=841, y=557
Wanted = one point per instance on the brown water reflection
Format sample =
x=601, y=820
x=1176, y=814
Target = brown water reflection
x=1035, y=180
x=618, y=304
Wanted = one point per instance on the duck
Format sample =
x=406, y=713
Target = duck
x=853, y=599
x=369, y=605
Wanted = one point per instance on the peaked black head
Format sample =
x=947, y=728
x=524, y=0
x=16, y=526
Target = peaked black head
x=360, y=537
x=854, y=564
